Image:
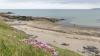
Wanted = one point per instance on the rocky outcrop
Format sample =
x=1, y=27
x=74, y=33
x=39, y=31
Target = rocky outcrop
x=29, y=18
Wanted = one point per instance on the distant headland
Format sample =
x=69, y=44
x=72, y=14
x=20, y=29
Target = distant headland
x=96, y=9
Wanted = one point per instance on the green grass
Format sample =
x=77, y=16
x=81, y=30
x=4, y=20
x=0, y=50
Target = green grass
x=65, y=52
x=10, y=44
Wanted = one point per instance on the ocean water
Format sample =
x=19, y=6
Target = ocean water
x=80, y=17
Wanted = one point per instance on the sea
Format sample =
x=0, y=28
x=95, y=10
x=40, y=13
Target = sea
x=85, y=17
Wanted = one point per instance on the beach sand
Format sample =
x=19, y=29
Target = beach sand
x=45, y=33
x=48, y=32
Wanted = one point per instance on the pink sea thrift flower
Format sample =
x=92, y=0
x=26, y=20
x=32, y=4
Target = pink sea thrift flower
x=41, y=45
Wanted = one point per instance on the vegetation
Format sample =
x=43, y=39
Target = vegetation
x=11, y=45
x=65, y=52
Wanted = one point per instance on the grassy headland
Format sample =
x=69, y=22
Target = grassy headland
x=10, y=44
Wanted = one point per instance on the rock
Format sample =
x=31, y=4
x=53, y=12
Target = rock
x=9, y=12
x=29, y=18
x=91, y=49
x=65, y=44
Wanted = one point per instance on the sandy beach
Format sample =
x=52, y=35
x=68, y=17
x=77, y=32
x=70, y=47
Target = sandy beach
x=52, y=33
x=73, y=37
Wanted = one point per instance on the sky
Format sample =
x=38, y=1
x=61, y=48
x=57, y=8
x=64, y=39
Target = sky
x=49, y=4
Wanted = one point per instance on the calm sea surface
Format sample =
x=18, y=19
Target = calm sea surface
x=80, y=17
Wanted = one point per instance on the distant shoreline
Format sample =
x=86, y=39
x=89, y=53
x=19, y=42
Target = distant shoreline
x=54, y=20
x=81, y=17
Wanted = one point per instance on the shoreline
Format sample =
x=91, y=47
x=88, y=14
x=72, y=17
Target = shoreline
x=54, y=23
x=75, y=36
x=75, y=42
x=51, y=19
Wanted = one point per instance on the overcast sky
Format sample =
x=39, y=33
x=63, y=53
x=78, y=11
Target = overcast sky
x=49, y=4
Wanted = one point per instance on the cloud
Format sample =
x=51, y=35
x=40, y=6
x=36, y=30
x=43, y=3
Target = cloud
x=53, y=1
x=35, y=1
x=46, y=5
x=57, y=1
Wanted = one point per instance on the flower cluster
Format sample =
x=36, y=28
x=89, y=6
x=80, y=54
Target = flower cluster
x=42, y=45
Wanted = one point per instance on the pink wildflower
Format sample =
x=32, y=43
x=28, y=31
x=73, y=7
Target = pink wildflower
x=41, y=45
